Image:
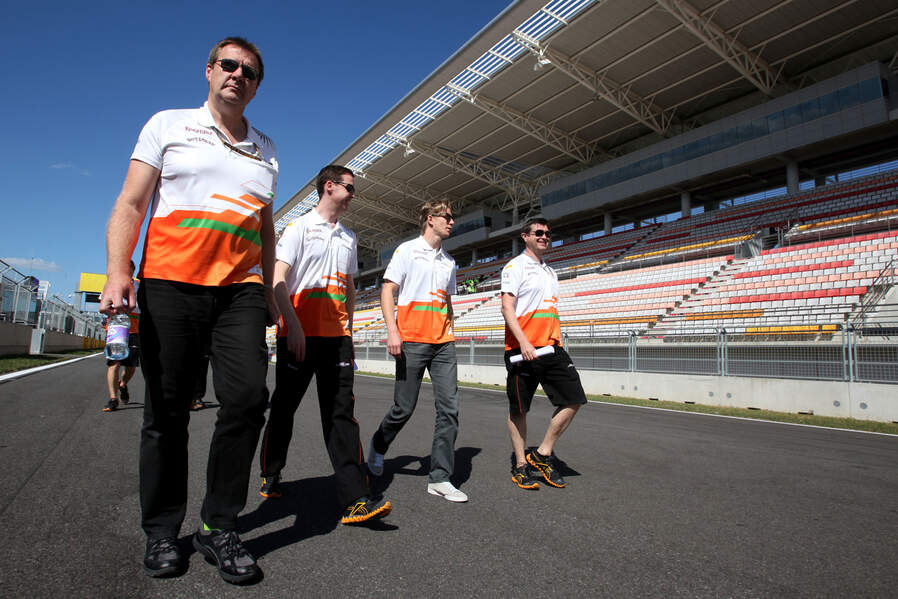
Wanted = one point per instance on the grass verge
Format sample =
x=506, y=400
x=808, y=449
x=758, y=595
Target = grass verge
x=16, y=362
x=890, y=428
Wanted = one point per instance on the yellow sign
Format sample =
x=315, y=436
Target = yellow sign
x=91, y=282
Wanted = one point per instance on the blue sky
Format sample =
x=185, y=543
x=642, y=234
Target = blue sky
x=83, y=78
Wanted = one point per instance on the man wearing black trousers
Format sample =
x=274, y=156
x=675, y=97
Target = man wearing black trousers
x=205, y=283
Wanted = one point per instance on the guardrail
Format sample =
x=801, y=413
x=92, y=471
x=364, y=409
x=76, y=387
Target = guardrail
x=853, y=354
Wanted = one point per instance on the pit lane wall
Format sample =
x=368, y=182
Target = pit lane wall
x=863, y=401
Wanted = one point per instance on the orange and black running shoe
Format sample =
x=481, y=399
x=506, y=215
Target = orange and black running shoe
x=548, y=467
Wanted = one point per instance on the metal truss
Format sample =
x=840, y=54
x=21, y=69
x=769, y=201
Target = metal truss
x=620, y=96
x=520, y=189
x=408, y=190
x=372, y=235
x=748, y=63
x=547, y=133
x=381, y=207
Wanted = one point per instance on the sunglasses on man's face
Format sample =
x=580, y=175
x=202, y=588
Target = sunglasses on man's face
x=349, y=186
x=229, y=65
x=541, y=233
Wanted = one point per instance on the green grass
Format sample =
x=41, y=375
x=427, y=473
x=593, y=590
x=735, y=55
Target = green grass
x=890, y=428
x=14, y=362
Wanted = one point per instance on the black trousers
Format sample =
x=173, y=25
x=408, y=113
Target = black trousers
x=329, y=359
x=178, y=322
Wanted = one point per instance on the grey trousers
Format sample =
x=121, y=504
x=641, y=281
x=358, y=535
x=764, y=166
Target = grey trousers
x=441, y=362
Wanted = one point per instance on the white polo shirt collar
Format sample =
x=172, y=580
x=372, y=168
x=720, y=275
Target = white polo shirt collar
x=253, y=140
x=315, y=218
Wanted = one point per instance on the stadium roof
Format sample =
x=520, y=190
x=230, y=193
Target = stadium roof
x=549, y=89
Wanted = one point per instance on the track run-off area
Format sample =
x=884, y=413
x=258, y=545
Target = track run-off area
x=658, y=504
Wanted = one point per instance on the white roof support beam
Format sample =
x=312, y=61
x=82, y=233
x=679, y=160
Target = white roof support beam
x=381, y=207
x=547, y=133
x=411, y=191
x=521, y=190
x=619, y=96
x=370, y=236
x=749, y=64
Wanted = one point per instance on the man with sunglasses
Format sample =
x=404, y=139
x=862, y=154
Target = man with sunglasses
x=533, y=332
x=313, y=282
x=206, y=278
x=420, y=337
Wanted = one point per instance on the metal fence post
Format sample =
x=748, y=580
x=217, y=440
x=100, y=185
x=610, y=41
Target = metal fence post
x=852, y=361
x=471, y=350
x=631, y=352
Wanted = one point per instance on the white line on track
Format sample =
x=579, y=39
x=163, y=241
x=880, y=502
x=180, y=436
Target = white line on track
x=623, y=405
x=20, y=373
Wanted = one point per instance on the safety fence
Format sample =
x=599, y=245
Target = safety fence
x=21, y=303
x=849, y=353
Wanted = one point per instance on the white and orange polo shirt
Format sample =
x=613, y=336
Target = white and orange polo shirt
x=535, y=287
x=426, y=279
x=322, y=260
x=205, y=220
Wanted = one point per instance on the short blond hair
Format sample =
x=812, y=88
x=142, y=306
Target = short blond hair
x=430, y=208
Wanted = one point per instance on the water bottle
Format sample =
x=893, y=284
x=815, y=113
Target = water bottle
x=117, y=337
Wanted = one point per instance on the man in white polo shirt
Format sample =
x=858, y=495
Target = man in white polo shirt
x=205, y=283
x=533, y=331
x=420, y=337
x=313, y=283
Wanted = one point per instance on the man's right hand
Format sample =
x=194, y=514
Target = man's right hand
x=296, y=343
x=118, y=295
x=394, y=344
x=528, y=351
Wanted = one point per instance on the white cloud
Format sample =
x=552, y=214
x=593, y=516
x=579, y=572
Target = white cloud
x=26, y=265
x=69, y=166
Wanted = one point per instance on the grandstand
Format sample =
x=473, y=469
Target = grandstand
x=711, y=169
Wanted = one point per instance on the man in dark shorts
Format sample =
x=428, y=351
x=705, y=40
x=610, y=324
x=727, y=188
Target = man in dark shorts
x=119, y=372
x=533, y=340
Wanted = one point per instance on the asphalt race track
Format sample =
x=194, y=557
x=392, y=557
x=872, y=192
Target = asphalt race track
x=658, y=504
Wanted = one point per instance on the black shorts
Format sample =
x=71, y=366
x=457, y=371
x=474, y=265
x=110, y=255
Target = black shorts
x=133, y=359
x=555, y=372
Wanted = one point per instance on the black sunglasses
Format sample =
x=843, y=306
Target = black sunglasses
x=541, y=232
x=229, y=65
x=448, y=217
x=349, y=186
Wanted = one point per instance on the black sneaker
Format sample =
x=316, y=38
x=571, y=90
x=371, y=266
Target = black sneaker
x=364, y=509
x=123, y=394
x=112, y=406
x=163, y=558
x=223, y=548
x=547, y=467
x=523, y=477
x=271, y=487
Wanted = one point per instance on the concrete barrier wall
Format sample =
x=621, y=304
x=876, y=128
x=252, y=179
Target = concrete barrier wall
x=55, y=342
x=864, y=401
x=14, y=338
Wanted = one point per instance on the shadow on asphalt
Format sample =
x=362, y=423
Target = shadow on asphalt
x=410, y=465
x=310, y=502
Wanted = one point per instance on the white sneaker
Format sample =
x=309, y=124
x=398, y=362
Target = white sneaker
x=375, y=460
x=447, y=491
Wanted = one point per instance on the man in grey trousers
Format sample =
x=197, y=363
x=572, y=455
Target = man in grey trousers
x=419, y=336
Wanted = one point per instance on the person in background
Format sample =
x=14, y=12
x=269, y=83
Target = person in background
x=119, y=372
